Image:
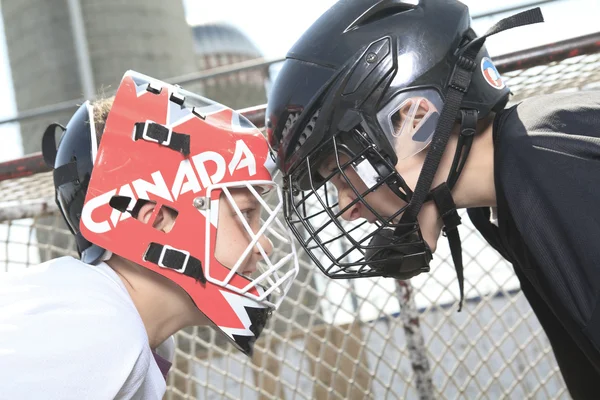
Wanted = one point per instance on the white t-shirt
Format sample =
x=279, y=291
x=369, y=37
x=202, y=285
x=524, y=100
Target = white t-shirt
x=69, y=330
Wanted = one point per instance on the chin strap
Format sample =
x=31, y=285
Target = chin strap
x=445, y=204
x=176, y=260
x=442, y=196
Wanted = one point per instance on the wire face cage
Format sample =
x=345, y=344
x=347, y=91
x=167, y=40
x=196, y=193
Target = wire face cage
x=372, y=338
x=330, y=211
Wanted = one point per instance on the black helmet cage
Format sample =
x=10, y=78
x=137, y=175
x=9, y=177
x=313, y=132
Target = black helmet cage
x=315, y=215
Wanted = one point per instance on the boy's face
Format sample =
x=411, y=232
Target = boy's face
x=233, y=238
x=383, y=200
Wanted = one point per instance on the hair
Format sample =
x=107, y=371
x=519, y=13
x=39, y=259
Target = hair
x=101, y=108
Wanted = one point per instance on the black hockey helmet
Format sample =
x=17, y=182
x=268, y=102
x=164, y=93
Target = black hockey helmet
x=72, y=161
x=340, y=90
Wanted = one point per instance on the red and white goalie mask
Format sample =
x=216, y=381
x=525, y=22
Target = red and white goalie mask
x=210, y=169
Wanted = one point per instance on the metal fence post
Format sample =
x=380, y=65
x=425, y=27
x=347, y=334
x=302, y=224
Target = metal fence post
x=415, y=342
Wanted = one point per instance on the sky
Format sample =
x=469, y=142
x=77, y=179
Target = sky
x=274, y=25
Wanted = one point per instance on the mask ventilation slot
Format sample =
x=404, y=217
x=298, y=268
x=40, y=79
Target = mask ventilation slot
x=381, y=10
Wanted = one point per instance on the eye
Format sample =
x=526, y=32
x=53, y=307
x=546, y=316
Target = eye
x=248, y=213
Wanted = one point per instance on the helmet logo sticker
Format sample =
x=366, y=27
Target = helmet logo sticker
x=490, y=74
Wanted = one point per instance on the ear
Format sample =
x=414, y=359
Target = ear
x=414, y=110
x=144, y=213
x=165, y=218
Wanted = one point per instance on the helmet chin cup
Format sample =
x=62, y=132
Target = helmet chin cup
x=400, y=257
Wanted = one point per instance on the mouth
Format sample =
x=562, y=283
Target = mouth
x=248, y=271
x=372, y=219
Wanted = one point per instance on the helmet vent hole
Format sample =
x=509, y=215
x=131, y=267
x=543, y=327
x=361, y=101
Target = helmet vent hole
x=306, y=132
x=381, y=10
x=165, y=219
x=145, y=212
x=141, y=207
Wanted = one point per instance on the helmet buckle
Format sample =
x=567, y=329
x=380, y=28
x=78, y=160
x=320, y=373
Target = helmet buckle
x=163, y=253
x=148, y=138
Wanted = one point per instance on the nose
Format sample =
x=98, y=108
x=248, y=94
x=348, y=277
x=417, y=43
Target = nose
x=266, y=244
x=252, y=262
x=344, y=199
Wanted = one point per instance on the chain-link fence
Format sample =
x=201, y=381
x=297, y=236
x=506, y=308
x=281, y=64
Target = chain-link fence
x=360, y=339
